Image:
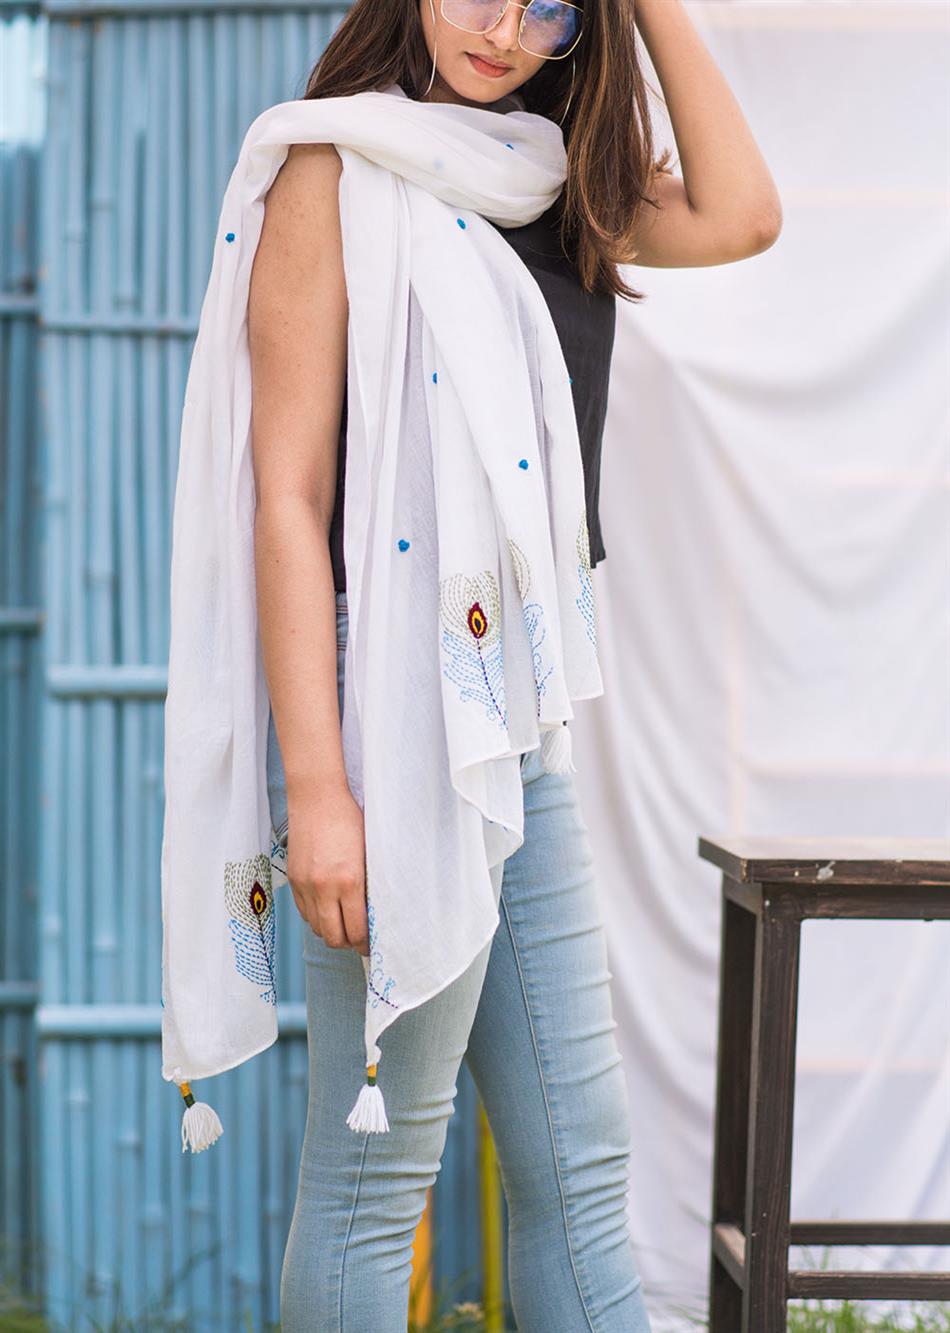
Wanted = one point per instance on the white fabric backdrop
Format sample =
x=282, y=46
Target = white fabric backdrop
x=774, y=616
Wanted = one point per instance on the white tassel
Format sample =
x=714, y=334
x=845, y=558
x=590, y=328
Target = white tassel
x=369, y=1111
x=556, y=750
x=200, y=1126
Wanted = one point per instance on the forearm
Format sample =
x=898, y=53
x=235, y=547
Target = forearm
x=724, y=174
x=296, y=605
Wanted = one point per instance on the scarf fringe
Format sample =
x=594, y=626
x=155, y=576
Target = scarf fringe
x=556, y=752
x=200, y=1126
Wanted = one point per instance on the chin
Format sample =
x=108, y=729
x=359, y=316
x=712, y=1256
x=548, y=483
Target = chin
x=487, y=91
x=489, y=97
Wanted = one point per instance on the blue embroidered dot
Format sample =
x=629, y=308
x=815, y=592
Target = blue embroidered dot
x=230, y=236
x=461, y=222
x=403, y=544
x=523, y=463
x=435, y=377
x=509, y=145
x=570, y=379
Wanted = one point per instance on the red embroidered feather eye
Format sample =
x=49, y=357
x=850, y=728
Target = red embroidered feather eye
x=477, y=621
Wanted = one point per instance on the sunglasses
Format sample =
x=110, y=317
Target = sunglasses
x=548, y=28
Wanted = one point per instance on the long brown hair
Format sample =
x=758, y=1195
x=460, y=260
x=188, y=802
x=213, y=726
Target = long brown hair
x=607, y=131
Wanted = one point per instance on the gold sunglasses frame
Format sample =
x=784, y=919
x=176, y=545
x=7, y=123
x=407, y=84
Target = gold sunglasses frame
x=481, y=32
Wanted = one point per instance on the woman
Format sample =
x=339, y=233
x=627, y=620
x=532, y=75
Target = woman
x=543, y=1056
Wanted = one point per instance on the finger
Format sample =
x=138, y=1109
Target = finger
x=354, y=918
x=307, y=910
x=331, y=924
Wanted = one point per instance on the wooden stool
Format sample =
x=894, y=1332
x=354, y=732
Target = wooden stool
x=769, y=886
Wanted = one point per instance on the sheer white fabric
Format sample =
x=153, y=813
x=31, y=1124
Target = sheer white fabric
x=471, y=617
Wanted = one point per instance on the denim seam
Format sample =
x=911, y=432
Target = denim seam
x=349, y=1225
x=547, y=1108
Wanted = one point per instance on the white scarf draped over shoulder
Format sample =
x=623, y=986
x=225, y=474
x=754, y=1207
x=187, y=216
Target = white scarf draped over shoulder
x=471, y=626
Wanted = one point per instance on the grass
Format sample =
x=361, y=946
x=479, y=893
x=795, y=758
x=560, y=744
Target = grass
x=18, y=1314
x=849, y=1317
x=468, y=1317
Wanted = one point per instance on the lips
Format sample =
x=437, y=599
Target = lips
x=485, y=61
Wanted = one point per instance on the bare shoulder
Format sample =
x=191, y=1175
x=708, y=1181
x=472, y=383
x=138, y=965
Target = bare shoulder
x=313, y=161
x=301, y=241
x=307, y=184
x=298, y=270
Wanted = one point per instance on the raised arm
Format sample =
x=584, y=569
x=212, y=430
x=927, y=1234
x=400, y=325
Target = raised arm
x=297, y=328
x=726, y=206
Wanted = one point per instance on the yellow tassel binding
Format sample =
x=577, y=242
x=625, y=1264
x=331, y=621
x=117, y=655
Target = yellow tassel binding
x=369, y=1110
x=200, y=1126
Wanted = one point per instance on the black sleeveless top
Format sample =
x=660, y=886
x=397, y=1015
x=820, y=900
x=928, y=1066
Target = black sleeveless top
x=585, y=323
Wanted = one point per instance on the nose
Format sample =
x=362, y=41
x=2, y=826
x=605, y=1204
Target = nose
x=504, y=35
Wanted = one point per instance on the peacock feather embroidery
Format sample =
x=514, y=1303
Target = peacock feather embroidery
x=585, y=602
x=533, y=617
x=252, y=921
x=470, y=606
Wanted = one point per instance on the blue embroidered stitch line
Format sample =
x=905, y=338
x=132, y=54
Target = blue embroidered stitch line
x=376, y=971
x=533, y=614
x=585, y=602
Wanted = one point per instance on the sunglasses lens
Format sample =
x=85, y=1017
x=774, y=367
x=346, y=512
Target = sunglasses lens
x=550, y=27
x=473, y=15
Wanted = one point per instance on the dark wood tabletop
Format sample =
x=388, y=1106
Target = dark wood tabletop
x=838, y=860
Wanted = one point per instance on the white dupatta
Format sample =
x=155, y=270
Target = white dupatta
x=471, y=618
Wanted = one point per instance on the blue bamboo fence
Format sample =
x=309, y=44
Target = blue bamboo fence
x=106, y=227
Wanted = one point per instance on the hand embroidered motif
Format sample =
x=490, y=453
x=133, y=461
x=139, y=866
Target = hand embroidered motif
x=585, y=602
x=253, y=923
x=470, y=606
x=533, y=617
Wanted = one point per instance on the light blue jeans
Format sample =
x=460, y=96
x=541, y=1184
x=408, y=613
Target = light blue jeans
x=532, y=1016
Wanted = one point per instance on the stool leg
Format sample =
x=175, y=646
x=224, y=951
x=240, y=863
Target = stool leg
x=771, y=1107
x=736, y=974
